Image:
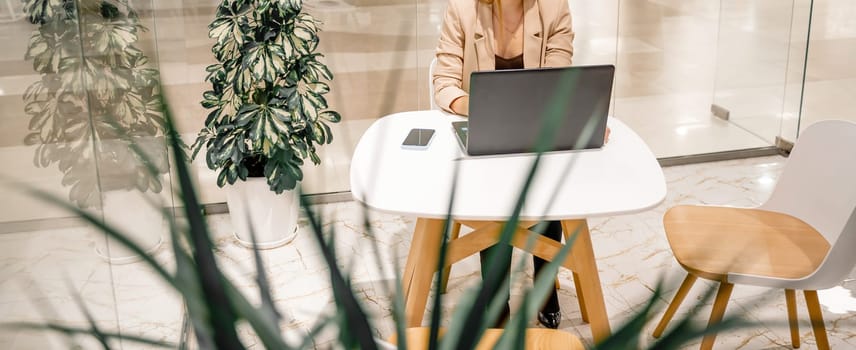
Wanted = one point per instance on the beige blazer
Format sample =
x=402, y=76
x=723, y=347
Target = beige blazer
x=467, y=43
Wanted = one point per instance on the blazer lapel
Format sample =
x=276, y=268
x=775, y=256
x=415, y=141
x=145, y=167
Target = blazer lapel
x=483, y=36
x=533, y=37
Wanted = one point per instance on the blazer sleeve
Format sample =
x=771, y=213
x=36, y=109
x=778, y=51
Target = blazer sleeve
x=559, y=49
x=448, y=72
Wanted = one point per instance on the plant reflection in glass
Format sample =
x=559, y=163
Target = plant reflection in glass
x=96, y=93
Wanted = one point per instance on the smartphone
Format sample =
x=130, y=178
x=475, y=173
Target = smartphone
x=418, y=138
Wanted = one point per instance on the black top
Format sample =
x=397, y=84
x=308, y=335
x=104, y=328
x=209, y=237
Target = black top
x=515, y=62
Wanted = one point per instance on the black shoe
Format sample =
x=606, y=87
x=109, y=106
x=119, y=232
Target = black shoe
x=550, y=319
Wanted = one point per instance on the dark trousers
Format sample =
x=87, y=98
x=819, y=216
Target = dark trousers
x=550, y=229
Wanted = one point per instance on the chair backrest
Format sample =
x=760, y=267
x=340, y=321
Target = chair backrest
x=434, y=105
x=818, y=183
x=818, y=186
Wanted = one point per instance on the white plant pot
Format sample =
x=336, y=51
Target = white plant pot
x=273, y=217
x=130, y=213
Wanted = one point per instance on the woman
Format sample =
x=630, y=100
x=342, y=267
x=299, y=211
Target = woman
x=502, y=34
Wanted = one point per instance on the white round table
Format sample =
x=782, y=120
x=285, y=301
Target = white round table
x=622, y=177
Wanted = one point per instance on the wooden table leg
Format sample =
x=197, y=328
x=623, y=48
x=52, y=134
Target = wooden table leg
x=444, y=281
x=413, y=256
x=581, y=298
x=423, y=265
x=585, y=266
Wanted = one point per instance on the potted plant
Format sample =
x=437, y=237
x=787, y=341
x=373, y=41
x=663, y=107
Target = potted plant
x=268, y=112
x=96, y=97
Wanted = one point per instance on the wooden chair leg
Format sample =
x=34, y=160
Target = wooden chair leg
x=685, y=287
x=444, y=281
x=791, y=300
x=719, y=305
x=816, y=317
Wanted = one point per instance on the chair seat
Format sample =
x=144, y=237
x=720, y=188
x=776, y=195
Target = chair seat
x=712, y=242
x=536, y=338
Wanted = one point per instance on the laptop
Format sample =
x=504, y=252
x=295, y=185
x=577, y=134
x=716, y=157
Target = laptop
x=508, y=109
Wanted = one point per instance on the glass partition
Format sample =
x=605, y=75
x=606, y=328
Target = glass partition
x=667, y=62
x=80, y=87
x=45, y=145
x=830, y=79
x=755, y=63
x=376, y=51
x=795, y=77
x=595, y=24
x=785, y=65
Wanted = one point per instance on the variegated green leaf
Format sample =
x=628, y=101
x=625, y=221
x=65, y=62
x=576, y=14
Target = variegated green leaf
x=247, y=114
x=221, y=177
x=318, y=134
x=277, y=54
x=330, y=116
x=308, y=21
x=308, y=109
x=227, y=31
x=263, y=6
x=316, y=100
x=319, y=87
x=300, y=44
x=315, y=159
x=321, y=70
x=232, y=174
x=244, y=82
x=298, y=146
x=294, y=172
x=210, y=100
x=305, y=32
x=286, y=45
x=325, y=130
x=281, y=120
x=257, y=133
x=271, y=135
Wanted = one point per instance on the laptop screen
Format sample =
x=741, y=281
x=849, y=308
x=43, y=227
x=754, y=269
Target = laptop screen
x=510, y=109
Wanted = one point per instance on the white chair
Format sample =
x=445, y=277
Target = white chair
x=434, y=105
x=802, y=238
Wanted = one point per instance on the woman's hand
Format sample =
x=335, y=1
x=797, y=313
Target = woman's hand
x=461, y=105
x=606, y=135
